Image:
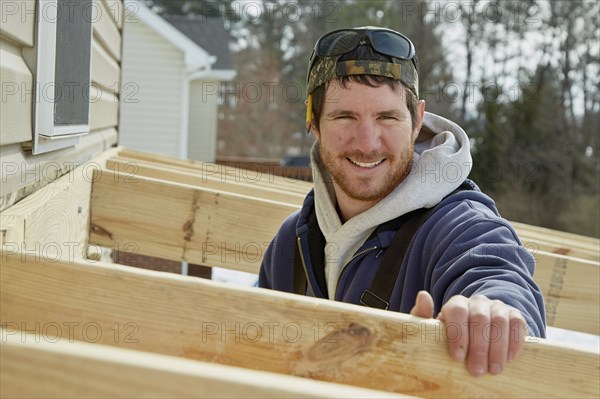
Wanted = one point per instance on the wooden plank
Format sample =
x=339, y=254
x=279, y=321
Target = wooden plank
x=268, y=330
x=39, y=366
x=55, y=218
x=230, y=231
x=186, y=176
x=157, y=166
x=18, y=21
x=537, y=242
x=563, y=244
x=16, y=81
x=556, y=234
x=106, y=30
x=190, y=176
x=227, y=173
x=571, y=291
x=182, y=222
x=290, y=185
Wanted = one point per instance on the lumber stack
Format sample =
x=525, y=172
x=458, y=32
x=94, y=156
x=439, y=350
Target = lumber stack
x=77, y=369
x=218, y=217
x=81, y=327
x=266, y=330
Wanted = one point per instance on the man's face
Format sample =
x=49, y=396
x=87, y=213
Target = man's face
x=366, y=140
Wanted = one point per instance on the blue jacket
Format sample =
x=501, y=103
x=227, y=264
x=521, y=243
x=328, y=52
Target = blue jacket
x=464, y=247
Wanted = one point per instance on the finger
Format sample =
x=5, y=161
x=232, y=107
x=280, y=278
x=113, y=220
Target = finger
x=518, y=330
x=498, y=335
x=455, y=314
x=479, y=319
x=423, y=305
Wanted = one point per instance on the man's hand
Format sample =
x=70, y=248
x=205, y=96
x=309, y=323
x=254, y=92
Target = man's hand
x=487, y=333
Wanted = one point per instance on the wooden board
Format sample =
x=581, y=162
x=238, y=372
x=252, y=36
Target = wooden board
x=538, y=242
x=182, y=222
x=226, y=173
x=44, y=367
x=55, y=218
x=555, y=242
x=233, y=231
x=268, y=330
x=557, y=234
x=571, y=289
x=184, y=175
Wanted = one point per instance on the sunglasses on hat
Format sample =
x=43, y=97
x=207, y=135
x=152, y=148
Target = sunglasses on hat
x=343, y=41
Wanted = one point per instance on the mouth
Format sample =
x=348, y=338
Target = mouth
x=366, y=165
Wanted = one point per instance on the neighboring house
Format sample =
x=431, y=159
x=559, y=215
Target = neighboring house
x=172, y=74
x=41, y=137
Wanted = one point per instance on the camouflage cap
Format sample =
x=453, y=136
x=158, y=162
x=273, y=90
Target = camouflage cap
x=326, y=68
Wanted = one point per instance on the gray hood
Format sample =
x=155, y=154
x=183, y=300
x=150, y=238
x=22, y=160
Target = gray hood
x=442, y=161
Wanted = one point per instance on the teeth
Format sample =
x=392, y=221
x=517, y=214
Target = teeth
x=366, y=164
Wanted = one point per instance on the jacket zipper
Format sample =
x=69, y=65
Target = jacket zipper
x=356, y=255
x=304, y=267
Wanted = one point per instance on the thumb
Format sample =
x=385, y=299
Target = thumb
x=423, y=305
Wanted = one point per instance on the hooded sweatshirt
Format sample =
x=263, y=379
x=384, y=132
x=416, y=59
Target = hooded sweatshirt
x=442, y=161
x=463, y=247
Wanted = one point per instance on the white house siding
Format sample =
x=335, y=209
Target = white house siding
x=202, y=122
x=16, y=79
x=23, y=173
x=151, y=96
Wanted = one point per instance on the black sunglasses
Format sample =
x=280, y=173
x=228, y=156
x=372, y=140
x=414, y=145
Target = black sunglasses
x=342, y=41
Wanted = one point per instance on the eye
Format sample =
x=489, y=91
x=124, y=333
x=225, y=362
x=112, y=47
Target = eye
x=388, y=117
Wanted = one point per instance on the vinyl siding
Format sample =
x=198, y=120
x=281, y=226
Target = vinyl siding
x=23, y=173
x=151, y=91
x=202, y=123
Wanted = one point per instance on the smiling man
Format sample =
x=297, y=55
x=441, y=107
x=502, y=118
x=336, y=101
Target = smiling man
x=392, y=221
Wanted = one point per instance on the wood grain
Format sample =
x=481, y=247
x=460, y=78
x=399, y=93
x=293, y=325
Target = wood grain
x=533, y=237
x=183, y=175
x=182, y=222
x=55, y=218
x=230, y=230
x=39, y=366
x=268, y=330
x=225, y=173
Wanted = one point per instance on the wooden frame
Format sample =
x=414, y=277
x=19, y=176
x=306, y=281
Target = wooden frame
x=50, y=294
x=191, y=172
x=42, y=366
x=267, y=330
x=227, y=229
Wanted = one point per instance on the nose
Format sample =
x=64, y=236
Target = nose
x=367, y=137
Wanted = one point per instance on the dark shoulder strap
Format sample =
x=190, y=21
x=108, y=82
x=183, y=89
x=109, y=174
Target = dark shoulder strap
x=316, y=244
x=378, y=295
x=380, y=292
x=299, y=275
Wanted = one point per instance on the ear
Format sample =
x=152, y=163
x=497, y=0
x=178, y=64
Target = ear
x=315, y=132
x=419, y=122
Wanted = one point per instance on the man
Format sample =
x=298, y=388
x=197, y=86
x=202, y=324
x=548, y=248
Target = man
x=381, y=168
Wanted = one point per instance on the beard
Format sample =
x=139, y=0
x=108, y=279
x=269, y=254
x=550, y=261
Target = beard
x=366, y=188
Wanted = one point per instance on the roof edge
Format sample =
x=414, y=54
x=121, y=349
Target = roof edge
x=195, y=56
